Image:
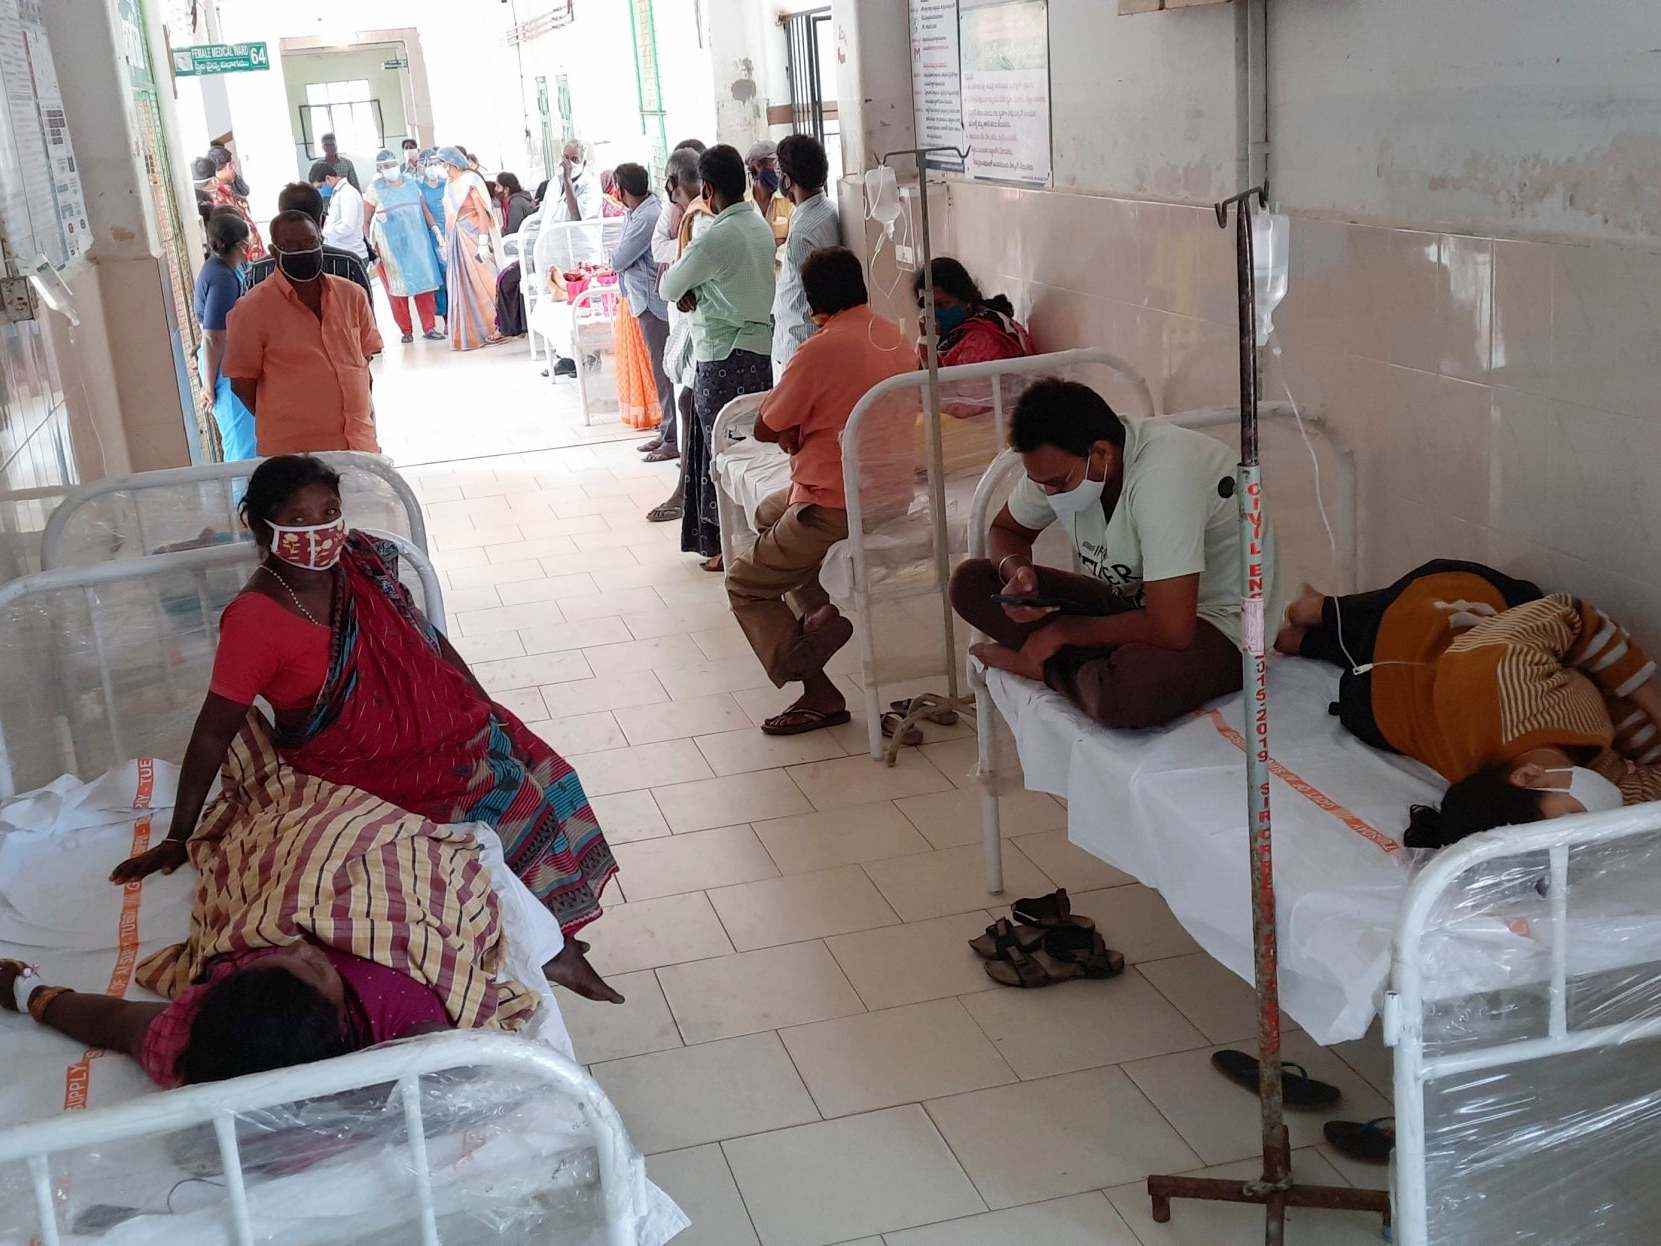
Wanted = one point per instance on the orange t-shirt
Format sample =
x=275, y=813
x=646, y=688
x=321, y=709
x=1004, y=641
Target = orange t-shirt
x=312, y=375
x=826, y=377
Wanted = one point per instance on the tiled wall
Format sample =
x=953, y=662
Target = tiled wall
x=1502, y=398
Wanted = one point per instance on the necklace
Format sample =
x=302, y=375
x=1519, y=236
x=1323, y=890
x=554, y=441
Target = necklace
x=293, y=596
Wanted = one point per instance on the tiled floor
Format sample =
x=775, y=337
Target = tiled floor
x=809, y=1053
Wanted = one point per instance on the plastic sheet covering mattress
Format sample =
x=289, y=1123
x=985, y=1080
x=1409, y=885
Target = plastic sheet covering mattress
x=1565, y=1148
x=508, y=1154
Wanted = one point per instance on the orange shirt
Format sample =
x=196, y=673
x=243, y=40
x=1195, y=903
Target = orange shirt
x=312, y=375
x=826, y=377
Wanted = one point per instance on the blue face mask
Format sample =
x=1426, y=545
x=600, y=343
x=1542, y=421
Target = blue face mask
x=769, y=179
x=326, y=189
x=949, y=319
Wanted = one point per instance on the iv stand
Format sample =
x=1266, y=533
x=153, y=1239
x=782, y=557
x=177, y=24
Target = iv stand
x=1274, y=1190
x=929, y=705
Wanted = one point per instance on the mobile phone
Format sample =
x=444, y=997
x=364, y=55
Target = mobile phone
x=1040, y=601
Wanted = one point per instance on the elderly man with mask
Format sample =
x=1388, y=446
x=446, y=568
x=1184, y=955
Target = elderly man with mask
x=402, y=230
x=765, y=181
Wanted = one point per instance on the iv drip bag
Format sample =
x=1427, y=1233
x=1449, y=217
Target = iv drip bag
x=1271, y=259
x=882, y=197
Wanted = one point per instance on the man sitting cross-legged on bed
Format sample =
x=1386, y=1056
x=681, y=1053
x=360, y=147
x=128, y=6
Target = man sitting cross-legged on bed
x=324, y=920
x=805, y=414
x=368, y=694
x=1151, y=630
x=1531, y=707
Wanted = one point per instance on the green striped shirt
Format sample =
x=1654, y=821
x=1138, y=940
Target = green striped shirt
x=729, y=266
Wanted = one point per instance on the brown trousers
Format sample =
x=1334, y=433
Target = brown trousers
x=783, y=564
x=1132, y=686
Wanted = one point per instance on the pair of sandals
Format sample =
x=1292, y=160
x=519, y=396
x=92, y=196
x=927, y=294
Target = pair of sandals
x=1045, y=944
x=898, y=711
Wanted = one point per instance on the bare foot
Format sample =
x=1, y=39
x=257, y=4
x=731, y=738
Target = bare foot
x=1305, y=611
x=571, y=970
x=712, y=564
x=1289, y=640
x=1001, y=658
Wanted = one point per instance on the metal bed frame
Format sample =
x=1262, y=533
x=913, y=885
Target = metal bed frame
x=219, y=1104
x=344, y=461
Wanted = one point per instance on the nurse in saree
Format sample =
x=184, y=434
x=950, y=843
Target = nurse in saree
x=401, y=230
x=472, y=241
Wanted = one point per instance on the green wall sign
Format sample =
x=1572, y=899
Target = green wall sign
x=219, y=58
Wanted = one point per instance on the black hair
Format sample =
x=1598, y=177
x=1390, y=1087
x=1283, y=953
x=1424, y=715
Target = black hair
x=696, y=144
x=220, y=155
x=320, y=171
x=802, y=159
x=258, y=1019
x=294, y=217
x=1478, y=802
x=409, y=144
x=509, y=182
x=632, y=178
x=328, y=138
x=225, y=230
x=1063, y=414
x=955, y=280
x=202, y=169
x=833, y=281
x=301, y=197
x=274, y=482
x=722, y=170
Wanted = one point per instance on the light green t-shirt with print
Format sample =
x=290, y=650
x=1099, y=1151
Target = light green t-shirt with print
x=1171, y=520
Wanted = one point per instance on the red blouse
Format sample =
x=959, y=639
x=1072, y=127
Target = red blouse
x=266, y=650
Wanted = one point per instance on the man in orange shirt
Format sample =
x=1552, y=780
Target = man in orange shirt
x=298, y=349
x=805, y=414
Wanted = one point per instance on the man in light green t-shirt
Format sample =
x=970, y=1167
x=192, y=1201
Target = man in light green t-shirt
x=1151, y=630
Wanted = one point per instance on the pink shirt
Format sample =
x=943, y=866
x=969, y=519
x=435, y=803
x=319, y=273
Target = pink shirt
x=826, y=377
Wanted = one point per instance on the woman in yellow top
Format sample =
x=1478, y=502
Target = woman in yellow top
x=1531, y=706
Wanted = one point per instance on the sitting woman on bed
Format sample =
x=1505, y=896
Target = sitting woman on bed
x=368, y=694
x=1532, y=707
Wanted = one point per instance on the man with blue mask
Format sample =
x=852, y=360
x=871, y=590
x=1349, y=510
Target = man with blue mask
x=1152, y=628
x=765, y=180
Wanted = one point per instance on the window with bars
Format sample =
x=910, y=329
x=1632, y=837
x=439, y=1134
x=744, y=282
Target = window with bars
x=810, y=62
x=344, y=109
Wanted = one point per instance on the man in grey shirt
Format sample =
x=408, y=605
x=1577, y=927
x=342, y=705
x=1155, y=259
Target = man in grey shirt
x=637, y=274
x=802, y=171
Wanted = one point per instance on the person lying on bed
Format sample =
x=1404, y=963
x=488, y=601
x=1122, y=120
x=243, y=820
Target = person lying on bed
x=1152, y=629
x=368, y=694
x=1531, y=706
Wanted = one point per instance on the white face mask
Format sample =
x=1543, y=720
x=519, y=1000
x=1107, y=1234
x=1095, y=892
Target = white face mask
x=1589, y=787
x=392, y=172
x=1081, y=497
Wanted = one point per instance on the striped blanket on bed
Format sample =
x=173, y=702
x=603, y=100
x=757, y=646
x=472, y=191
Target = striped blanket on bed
x=284, y=856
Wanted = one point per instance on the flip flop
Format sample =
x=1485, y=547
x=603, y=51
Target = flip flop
x=1297, y=1088
x=663, y=512
x=798, y=720
x=1001, y=937
x=713, y=564
x=891, y=723
x=662, y=454
x=944, y=717
x=1054, y=909
x=1368, y=1142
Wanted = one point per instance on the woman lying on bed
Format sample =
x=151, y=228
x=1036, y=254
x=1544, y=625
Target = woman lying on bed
x=368, y=694
x=1531, y=706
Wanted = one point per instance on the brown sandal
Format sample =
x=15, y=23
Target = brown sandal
x=1064, y=959
x=1001, y=937
x=1049, y=911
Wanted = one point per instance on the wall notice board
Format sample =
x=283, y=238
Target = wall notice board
x=980, y=74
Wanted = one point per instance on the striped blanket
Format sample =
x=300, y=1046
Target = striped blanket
x=284, y=856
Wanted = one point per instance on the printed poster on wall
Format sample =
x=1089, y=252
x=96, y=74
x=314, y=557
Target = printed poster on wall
x=936, y=85
x=1005, y=50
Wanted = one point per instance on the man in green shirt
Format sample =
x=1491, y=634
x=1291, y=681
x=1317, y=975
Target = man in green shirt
x=725, y=281
x=1153, y=627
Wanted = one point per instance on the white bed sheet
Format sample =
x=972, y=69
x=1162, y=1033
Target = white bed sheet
x=58, y=909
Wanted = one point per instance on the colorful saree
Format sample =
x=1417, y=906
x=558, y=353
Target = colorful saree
x=637, y=397
x=395, y=719
x=471, y=281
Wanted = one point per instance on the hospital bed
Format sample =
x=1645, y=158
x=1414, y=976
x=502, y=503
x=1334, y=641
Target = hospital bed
x=891, y=571
x=456, y=1137
x=150, y=512
x=580, y=323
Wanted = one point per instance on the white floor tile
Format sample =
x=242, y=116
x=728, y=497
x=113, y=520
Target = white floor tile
x=729, y=799
x=860, y=780
x=574, y=634
x=532, y=617
x=640, y=1024
x=903, y=1055
x=952, y=819
x=1069, y=866
x=1369, y=1057
x=650, y=933
x=701, y=1184
x=628, y=816
x=634, y=768
x=704, y=678
x=1218, y=1003
x=920, y=961
x=509, y=674
x=1086, y=1130
x=608, y=602
x=675, y=864
x=951, y=880
x=1082, y=1220
x=586, y=696
x=622, y=653
x=818, y=841
x=1225, y=1127
x=1135, y=920
x=458, y=601
x=800, y=906
x=491, y=647
x=584, y=733
x=722, y=642
x=544, y=589
x=753, y=991
x=1195, y=1223
x=691, y=1095
x=675, y=720
x=818, y=1184
x=1080, y=1025
x=526, y=703
x=737, y=752
x=656, y=619
x=956, y=760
